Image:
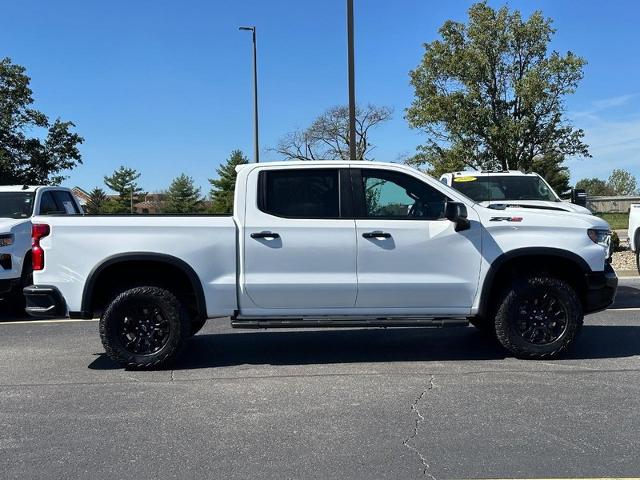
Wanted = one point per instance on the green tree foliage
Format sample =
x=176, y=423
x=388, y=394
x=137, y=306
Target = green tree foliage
x=328, y=136
x=183, y=196
x=96, y=202
x=124, y=182
x=33, y=150
x=489, y=94
x=594, y=186
x=223, y=187
x=622, y=182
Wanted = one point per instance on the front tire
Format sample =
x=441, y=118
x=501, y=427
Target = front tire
x=144, y=327
x=197, y=324
x=538, y=317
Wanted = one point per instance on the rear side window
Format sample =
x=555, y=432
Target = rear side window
x=48, y=204
x=65, y=202
x=302, y=193
x=57, y=202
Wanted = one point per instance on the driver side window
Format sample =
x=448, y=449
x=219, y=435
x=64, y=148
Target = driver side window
x=394, y=195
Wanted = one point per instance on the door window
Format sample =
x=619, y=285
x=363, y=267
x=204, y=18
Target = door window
x=301, y=193
x=394, y=195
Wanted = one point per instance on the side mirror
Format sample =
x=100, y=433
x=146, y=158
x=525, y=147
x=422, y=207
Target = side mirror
x=457, y=213
x=579, y=196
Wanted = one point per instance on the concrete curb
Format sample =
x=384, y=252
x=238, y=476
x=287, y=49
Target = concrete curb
x=626, y=273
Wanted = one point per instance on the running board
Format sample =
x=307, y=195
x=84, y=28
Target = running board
x=317, y=322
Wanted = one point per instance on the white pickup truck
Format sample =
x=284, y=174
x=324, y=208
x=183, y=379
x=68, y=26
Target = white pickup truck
x=326, y=244
x=18, y=204
x=634, y=231
x=509, y=188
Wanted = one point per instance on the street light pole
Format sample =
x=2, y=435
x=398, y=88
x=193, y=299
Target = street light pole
x=252, y=29
x=352, y=93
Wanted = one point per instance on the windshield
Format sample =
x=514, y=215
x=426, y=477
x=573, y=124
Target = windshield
x=504, y=187
x=16, y=204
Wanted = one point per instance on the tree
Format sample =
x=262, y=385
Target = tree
x=594, y=187
x=183, y=196
x=33, y=150
x=328, y=136
x=622, y=182
x=96, y=202
x=223, y=187
x=489, y=94
x=123, y=182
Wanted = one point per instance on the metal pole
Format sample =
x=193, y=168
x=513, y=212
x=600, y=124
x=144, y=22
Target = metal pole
x=352, y=93
x=255, y=94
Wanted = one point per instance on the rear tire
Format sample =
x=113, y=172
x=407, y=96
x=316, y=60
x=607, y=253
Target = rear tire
x=17, y=300
x=145, y=328
x=538, y=317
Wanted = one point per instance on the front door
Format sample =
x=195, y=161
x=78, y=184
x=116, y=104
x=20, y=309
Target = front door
x=409, y=255
x=299, y=243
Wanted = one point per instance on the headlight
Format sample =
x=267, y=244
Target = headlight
x=601, y=237
x=6, y=240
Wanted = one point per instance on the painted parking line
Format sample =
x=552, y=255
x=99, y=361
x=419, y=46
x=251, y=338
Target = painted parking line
x=64, y=320
x=629, y=309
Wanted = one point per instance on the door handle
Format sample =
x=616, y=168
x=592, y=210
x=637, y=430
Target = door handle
x=376, y=234
x=265, y=235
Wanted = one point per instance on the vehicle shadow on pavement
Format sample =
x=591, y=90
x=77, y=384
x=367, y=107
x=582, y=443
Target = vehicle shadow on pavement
x=627, y=297
x=376, y=345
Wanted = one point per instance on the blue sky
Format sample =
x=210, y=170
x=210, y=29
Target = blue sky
x=165, y=86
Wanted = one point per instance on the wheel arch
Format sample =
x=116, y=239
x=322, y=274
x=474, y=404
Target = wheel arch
x=165, y=263
x=567, y=265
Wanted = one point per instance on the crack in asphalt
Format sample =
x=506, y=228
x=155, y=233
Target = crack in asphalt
x=419, y=419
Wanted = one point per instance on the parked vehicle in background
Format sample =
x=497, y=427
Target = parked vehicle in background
x=634, y=231
x=326, y=244
x=511, y=188
x=18, y=204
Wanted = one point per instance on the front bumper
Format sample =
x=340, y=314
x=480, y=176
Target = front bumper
x=44, y=301
x=601, y=289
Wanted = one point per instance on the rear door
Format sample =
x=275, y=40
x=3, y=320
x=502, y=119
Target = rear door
x=409, y=255
x=299, y=241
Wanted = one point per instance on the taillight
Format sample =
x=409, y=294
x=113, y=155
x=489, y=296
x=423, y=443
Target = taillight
x=38, y=231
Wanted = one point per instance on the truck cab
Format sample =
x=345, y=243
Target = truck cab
x=509, y=188
x=18, y=205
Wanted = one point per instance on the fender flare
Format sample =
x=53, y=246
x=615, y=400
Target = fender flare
x=497, y=264
x=89, y=285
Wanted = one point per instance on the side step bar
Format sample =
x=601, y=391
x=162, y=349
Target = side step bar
x=334, y=322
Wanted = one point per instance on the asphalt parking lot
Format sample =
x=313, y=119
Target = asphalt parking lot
x=357, y=403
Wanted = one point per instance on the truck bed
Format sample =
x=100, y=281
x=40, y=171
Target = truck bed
x=207, y=243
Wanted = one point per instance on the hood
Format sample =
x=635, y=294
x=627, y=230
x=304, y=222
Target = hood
x=540, y=205
x=8, y=224
x=540, y=217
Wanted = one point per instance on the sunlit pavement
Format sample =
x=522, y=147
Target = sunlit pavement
x=403, y=403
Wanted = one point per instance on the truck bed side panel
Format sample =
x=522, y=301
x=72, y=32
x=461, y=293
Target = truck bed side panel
x=77, y=245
